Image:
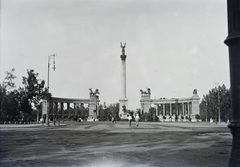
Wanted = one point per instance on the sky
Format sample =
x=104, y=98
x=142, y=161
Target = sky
x=172, y=47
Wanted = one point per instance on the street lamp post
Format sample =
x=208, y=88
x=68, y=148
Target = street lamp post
x=219, y=117
x=38, y=109
x=49, y=64
x=206, y=110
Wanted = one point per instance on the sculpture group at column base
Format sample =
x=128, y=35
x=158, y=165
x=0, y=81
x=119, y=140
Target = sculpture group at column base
x=193, y=118
x=91, y=118
x=123, y=104
x=178, y=118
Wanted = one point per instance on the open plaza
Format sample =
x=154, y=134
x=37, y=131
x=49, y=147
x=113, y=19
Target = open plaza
x=89, y=144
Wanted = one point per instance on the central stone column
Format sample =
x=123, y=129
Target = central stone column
x=123, y=101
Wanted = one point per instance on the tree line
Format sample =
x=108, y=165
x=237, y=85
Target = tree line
x=24, y=103
x=216, y=99
x=107, y=112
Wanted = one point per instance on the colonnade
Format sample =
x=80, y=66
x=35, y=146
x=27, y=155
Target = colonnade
x=180, y=109
x=57, y=109
x=54, y=108
x=172, y=107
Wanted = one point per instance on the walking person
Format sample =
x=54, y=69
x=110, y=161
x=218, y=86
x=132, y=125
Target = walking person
x=113, y=119
x=137, y=118
x=130, y=119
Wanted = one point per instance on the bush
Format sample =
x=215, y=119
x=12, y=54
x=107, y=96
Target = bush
x=197, y=116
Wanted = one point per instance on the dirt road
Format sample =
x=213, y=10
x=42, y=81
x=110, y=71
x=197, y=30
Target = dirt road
x=104, y=144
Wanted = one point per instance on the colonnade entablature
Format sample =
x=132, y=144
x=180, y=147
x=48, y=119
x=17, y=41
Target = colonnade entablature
x=56, y=106
x=171, y=109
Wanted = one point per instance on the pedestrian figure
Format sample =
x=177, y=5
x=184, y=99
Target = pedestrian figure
x=130, y=119
x=137, y=119
x=113, y=119
x=41, y=121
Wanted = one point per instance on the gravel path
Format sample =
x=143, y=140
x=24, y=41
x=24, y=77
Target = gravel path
x=91, y=144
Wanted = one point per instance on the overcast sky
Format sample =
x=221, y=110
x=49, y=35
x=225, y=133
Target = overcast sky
x=173, y=46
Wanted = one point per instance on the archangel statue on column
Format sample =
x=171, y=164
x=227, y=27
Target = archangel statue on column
x=123, y=48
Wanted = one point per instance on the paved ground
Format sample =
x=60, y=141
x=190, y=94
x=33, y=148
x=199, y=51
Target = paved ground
x=104, y=144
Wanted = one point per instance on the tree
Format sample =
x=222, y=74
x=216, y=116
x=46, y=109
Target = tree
x=152, y=112
x=10, y=106
x=146, y=117
x=114, y=110
x=150, y=116
x=13, y=101
x=33, y=92
x=8, y=80
x=24, y=102
x=7, y=84
x=138, y=111
x=7, y=98
x=106, y=112
x=210, y=104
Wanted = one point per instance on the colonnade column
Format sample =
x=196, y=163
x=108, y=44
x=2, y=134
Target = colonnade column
x=183, y=109
x=177, y=112
x=170, y=109
x=59, y=113
x=68, y=110
x=190, y=109
x=164, y=112
x=55, y=113
x=74, y=109
x=62, y=111
x=51, y=109
x=156, y=105
x=97, y=110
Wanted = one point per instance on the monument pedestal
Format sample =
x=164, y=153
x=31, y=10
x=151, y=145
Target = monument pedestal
x=145, y=103
x=123, y=105
x=93, y=107
x=193, y=118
